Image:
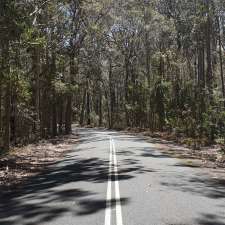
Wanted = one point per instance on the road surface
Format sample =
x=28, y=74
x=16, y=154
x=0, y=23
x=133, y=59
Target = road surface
x=117, y=179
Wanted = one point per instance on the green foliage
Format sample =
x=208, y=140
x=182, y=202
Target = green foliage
x=21, y=86
x=60, y=87
x=143, y=63
x=31, y=36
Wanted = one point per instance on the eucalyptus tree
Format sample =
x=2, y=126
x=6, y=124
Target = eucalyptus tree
x=151, y=64
x=10, y=32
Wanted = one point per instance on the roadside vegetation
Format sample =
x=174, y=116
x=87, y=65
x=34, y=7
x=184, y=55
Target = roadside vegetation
x=148, y=65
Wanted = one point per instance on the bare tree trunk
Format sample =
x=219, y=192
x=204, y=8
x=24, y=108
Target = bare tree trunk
x=7, y=104
x=148, y=73
x=54, y=115
x=68, y=114
x=54, y=110
x=13, y=116
x=209, y=74
x=112, y=95
x=7, y=97
x=60, y=114
x=221, y=61
x=126, y=91
x=100, y=108
x=37, y=70
x=45, y=106
x=201, y=65
x=88, y=107
x=0, y=107
x=83, y=109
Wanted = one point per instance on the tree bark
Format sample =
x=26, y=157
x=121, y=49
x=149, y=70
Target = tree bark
x=68, y=114
x=88, y=108
x=100, y=108
x=60, y=114
x=0, y=107
x=112, y=95
x=126, y=90
x=37, y=70
x=83, y=109
x=54, y=109
x=7, y=97
x=209, y=74
x=221, y=61
x=201, y=65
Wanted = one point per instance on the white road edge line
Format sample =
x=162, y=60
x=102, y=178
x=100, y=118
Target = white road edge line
x=109, y=188
x=117, y=189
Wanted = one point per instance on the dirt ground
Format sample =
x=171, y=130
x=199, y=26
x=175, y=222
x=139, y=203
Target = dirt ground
x=210, y=156
x=24, y=162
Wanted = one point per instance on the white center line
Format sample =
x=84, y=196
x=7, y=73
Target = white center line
x=113, y=168
x=109, y=194
x=117, y=189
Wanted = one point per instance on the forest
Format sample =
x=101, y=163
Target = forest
x=151, y=64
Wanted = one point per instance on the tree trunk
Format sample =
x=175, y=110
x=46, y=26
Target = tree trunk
x=54, y=110
x=209, y=74
x=0, y=107
x=68, y=114
x=7, y=105
x=126, y=91
x=112, y=95
x=88, y=108
x=100, y=109
x=54, y=115
x=221, y=61
x=201, y=65
x=7, y=97
x=37, y=70
x=148, y=73
x=60, y=114
x=83, y=109
x=13, y=116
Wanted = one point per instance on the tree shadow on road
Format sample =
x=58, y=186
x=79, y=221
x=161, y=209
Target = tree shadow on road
x=88, y=207
x=49, y=195
x=200, y=185
x=205, y=219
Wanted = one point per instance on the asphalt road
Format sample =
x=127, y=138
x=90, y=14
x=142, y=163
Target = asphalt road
x=116, y=179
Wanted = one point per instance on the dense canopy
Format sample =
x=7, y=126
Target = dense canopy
x=154, y=64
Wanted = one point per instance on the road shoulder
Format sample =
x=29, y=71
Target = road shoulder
x=25, y=162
